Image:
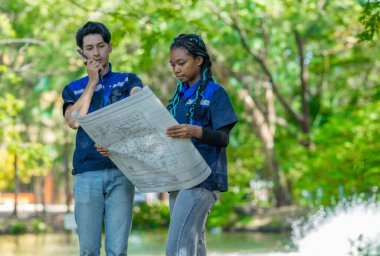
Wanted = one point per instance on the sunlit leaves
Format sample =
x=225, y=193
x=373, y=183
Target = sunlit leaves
x=370, y=18
x=345, y=158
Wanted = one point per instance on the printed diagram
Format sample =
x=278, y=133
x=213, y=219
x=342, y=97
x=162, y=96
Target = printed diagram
x=133, y=130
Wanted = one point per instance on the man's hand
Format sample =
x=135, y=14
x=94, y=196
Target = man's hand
x=103, y=151
x=93, y=68
x=135, y=90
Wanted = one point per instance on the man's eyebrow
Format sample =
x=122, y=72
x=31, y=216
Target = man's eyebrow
x=91, y=45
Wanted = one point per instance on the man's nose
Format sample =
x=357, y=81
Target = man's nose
x=96, y=51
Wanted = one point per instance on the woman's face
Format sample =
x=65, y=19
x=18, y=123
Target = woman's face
x=185, y=67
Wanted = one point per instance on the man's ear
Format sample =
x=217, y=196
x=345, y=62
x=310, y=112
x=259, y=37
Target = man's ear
x=110, y=47
x=199, y=60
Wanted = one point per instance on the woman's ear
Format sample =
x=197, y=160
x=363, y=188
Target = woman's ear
x=199, y=60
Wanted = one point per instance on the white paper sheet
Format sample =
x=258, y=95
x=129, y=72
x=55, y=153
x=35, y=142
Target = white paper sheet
x=133, y=130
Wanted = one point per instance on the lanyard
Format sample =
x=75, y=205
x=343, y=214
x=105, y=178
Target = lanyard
x=106, y=91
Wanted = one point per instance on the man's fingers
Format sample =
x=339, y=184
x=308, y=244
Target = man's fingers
x=103, y=151
x=94, y=65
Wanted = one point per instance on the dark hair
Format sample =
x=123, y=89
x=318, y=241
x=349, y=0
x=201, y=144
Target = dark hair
x=196, y=47
x=92, y=27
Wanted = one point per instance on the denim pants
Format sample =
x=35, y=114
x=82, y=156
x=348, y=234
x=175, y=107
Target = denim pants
x=188, y=213
x=105, y=195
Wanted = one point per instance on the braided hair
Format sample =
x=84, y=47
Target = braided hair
x=196, y=47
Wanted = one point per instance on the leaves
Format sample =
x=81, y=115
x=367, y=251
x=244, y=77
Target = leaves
x=345, y=156
x=370, y=18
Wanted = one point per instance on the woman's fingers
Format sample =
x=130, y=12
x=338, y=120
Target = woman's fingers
x=179, y=131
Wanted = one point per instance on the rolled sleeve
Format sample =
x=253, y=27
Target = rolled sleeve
x=134, y=81
x=222, y=112
x=68, y=97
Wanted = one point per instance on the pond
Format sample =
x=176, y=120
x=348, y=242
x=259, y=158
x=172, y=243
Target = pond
x=351, y=228
x=145, y=243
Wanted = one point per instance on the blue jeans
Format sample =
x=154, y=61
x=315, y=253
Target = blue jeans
x=103, y=195
x=188, y=214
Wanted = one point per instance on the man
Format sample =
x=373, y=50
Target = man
x=101, y=191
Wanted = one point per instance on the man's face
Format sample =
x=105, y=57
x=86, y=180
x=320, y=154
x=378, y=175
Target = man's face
x=95, y=48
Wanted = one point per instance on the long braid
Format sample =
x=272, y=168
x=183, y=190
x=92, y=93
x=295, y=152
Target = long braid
x=196, y=47
x=172, y=106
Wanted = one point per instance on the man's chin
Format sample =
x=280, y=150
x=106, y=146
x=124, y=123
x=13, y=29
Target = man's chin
x=105, y=65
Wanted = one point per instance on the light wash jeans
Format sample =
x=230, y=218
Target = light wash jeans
x=189, y=209
x=103, y=195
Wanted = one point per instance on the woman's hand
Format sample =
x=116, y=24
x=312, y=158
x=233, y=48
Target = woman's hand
x=183, y=131
x=103, y=151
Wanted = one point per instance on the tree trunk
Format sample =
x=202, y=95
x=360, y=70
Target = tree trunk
x=264, y=129
x=43, y=198
x=280, y=187
x=16, y=188
x=38, y=190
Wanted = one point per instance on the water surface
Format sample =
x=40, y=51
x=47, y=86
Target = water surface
x=144, y=243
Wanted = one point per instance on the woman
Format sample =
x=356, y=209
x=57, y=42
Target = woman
x=205, y=114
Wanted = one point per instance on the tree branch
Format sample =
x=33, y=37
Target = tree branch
x=234, y=23
x=271, y=109
x=304, y=92
x=225, y=72
x=313, y=26
x=262, y=63
x=260, y=124
x=301, y=41
x=21, y=41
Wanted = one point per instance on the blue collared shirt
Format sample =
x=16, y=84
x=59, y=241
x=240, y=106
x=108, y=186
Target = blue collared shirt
x=217, y=112
x=116, y=86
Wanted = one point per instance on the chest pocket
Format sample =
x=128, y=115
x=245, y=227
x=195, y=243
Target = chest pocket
x=117, y=94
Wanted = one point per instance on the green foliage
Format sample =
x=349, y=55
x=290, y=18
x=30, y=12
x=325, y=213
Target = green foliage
x=244, y=155
x=224, y=214
x=345, y=160
x=370, y=18
x=22, y=226
x=32, y=158
x=17, y=228
x=152, y=216
x=38, y=226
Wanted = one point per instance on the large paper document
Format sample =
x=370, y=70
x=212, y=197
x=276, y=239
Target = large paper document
x=133, y=130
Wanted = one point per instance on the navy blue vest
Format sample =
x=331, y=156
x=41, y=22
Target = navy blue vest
x=217, y=112
x=116, y=86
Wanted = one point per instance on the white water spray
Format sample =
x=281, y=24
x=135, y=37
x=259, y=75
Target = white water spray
x=351, y=229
